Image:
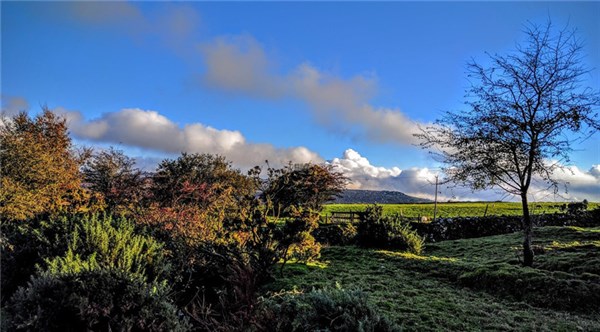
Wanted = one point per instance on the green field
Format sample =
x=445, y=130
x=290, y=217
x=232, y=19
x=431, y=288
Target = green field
x=466, y=209
x=425, y=293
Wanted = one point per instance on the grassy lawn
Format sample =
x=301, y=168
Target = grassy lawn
x=435, y=291
x=466, y=209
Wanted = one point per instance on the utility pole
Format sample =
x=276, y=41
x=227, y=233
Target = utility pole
x=435, y=201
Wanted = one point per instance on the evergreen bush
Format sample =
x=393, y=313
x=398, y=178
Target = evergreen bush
x=376, y=231
x=321, y=310
x=96, y=300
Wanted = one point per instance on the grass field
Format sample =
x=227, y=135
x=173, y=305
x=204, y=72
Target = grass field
x=425, y=293
x=466, y=209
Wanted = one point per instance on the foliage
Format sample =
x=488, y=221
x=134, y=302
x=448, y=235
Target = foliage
x=376, y=231
x=302, y=186
x=222, y=275
x=113, y=175
x=336, y=234
x=218, y=264
x=204, y=180
x=96, y=300
x=25, y=245
x=577, y=207
x=321, y=310
x=524, y=110
x=99, y=242
x=40, y=172
x=296, y=240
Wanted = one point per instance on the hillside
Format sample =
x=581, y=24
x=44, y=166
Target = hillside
x=376, y=196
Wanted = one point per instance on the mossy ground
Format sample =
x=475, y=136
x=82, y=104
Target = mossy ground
x=424, y=292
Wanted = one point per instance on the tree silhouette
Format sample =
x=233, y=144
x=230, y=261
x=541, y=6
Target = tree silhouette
x=524, y=113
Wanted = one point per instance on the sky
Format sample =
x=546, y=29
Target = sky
x=347, y=83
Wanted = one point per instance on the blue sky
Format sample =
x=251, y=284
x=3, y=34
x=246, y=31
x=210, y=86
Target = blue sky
x=341, y=82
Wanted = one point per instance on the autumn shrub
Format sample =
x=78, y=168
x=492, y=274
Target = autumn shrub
x=218, y=261
x=320, y=310
x=93, y=300
x=40, y=168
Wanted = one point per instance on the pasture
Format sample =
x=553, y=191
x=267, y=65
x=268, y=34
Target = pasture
x=451, y=210
x=470, y=284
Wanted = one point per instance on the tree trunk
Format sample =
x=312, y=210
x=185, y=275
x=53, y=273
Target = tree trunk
x=527, y=232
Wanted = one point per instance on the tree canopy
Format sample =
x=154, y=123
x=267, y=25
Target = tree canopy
x=39, y=169
x=114, y=175
x=302, y=186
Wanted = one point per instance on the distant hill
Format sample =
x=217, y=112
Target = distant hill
x=376, y=196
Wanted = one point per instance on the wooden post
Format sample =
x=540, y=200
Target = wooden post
x=435, y=202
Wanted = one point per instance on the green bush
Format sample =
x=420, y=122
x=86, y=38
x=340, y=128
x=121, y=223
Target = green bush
x=336, y=234
x=376, y=231
x=98, y=300
x=296, y=240
x=25, y=245
x=101, y=242
x=321, y=310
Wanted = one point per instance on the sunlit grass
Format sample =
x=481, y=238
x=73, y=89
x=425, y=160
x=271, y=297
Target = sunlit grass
x=408, y=255
x=422, y=292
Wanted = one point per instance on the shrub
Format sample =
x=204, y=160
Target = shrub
x=98, y=300
x=321, y=310
x=375, y=231
x=296, y=240
x=25, y=245
x=101, y=242
x=336, y=234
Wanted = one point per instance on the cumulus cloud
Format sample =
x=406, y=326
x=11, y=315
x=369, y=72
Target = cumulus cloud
x=574, y=184
x=151, y=130
x=362, y=175
x=420, y=182
x=240, y=64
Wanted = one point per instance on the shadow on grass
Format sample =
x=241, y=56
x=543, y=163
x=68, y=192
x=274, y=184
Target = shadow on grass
x=565, y=278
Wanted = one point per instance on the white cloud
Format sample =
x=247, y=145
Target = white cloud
x=151, y=130
x=240, y=65
x=574, y=185
x=420, y=182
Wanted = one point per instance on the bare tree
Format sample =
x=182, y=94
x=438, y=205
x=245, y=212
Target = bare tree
x=524, y=113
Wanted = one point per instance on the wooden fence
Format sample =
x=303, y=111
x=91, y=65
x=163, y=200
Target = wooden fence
x=349, y=216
